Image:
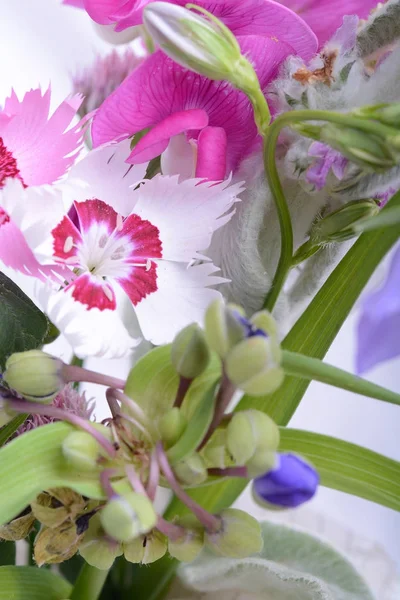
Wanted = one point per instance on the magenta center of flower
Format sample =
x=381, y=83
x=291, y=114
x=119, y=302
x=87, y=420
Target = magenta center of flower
x=8, y=165
x=4, y=218
x=108, y=248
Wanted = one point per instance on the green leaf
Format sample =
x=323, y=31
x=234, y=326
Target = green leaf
x=7, y=430
x=390, y=218
x=21, y=583
x=22, y=325
x=153, y=383
x=292, y=565
x=34, y=462
x=314, y=369
x=196, y=429
x=347, y=467
x=7, y=553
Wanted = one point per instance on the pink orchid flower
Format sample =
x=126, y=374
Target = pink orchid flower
x=326, y=16
x=217, y=119
x=130, y=240
x=36, y=148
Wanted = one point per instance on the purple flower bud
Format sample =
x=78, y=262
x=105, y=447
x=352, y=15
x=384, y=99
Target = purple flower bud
x=292, y=483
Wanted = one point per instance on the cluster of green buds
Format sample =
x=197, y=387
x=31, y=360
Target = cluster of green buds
x=179, y=436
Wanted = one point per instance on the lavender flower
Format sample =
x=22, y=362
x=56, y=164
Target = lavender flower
x=378, y=329
x=99, y=80
x=327, y=159
x=292, y=483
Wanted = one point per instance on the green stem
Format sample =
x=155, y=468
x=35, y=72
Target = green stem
x=270, y=140
x=89, y=584
x=310, y=368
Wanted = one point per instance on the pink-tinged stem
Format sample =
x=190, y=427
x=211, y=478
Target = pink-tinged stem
x=183, y=387
x=136, y=424
x=154, y=477
x=70, y=373
x=135, y=480
x=225, y=395
x=105, y=477
x=137, y=412
x=47, y=410
x=229, y=472
x=112, y=403
x=172, y=531
x=210, y=522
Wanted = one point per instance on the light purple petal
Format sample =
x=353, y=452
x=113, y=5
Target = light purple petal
x=378, y=329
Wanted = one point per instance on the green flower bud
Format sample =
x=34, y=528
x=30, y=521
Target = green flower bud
x=215, y=452
x=339, y=225
x=389, y=114
x=146, y=549
x=18, y=528
x=249, y=432
x=171, y=426
x=264, y=321
x=239, y=536
x=6, y=414
x=81, y=450
x=254, y=365
x=190, y=354
x=192, y=470
x=34, y=375
x=370, y=151
x=126, y=517
x=262, y=462
x=189, y=546
x=96, y=548
x=222, y=328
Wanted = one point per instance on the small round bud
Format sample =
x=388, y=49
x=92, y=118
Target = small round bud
x=251, y=431
x=171, y=426
x=81, y=450
x=187, y=547
x=239, y=536
x=146, y=549
x=190, y=354
x=96, y=548
x=192, y=470
x=339, y=225
x=293, y=482
x=223, y=327
x=125, y=518
x=254, y=366
x=215, y=453
x=34, y=375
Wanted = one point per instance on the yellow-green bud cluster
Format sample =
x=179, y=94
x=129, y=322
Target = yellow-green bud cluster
x=338, y=226
x=126, y=517
x=190, y=354
x=239, y=535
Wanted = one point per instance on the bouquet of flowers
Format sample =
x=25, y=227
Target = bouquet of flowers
x=209, y=203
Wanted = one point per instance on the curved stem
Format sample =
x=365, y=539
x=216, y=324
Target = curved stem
x=137, y=412
x=270, y=140
x=89, y=584
x=75, y=373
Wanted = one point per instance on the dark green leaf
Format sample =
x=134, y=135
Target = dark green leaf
x=11, y=427
x=22, y=325
x=23, y=583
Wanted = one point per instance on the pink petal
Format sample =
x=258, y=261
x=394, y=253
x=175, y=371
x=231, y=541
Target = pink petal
x=101, y=10
x=156, y=141
x=211, y=154
x=44, y=148
x=66, y=237
x=160, y=88
x=88, y=290
x=269, y=19
x=325, y=17
x=15, y=252
x=75, y=3
x=144, y=236
x=140, y=284
x=95, y=212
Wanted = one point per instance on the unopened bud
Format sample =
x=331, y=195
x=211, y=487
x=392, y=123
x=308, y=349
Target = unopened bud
x=190, y=354
x=34, y=375
x=18, y=528
x=146, y=549
x=171, y=426
x=192, y=470
x=254, y=366
x=215, y=452
x=96, y=548
x=126, y=517
x=262, y=462
x=368, y=150
x=388, y=114
x=187, y=547
x=81, y=450
x=293, y=482
x=6, y=414
x=249, y=432
x=223, y=327
x=339, y=225
x=239, y=536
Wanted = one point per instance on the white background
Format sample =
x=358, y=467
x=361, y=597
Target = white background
x=43, y=42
